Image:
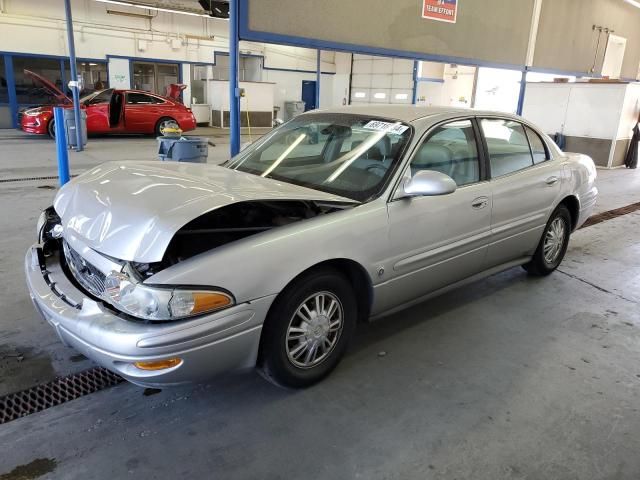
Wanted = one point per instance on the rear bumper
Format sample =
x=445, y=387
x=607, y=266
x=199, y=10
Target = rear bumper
x=208, y=345
x=587, y=204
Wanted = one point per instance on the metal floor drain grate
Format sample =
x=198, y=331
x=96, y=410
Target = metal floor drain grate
x=610, y=214
x=28, y=179
x=59, y=391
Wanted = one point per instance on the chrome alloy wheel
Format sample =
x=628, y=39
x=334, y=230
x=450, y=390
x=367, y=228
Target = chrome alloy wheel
x=554, y=240
x=314, y=330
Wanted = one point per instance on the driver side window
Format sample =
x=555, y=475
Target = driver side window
x=450, y=149
x=102, y=97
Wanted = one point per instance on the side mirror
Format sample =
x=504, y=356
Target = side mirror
x=428, y=183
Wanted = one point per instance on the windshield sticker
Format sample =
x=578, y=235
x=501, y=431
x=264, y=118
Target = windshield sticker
x=396, y=128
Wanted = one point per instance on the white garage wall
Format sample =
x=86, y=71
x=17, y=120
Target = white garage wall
x=341, y=80
x=289, y=87
x=119, y=73
x=38, y=27
x=498, y=89
x=445, y=85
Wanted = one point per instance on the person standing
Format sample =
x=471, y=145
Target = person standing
x=631, y=160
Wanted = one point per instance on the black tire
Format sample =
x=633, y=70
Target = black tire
x=51, y=128
x=159, y=125
x=276, y=347
x=541, y=265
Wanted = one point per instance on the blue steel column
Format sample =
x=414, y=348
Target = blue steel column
x=61, y=145
x=74, y=74
x=318, y=76
x=234, y=84
x=414, y=96
x=523, y=89
x=11, y=90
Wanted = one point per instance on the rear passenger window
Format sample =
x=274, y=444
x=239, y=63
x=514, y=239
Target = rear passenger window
x=508, y=146
x=450, y=149
x=537, y=146
x=142, y=99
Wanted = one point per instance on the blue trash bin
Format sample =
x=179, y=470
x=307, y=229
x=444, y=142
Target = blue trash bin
x=183, y=149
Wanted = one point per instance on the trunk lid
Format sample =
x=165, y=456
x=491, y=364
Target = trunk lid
x=131, y=211
x=174, y=90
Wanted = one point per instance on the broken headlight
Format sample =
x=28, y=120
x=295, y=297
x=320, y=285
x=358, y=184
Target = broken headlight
x=127, y=294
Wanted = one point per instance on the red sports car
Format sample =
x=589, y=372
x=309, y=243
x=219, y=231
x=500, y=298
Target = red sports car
x=112, y=111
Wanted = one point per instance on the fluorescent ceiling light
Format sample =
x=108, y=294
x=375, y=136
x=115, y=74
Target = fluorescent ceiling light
x=360, y=95
x=402, y=96
x=380, y=95
x=633, y=2
x=155, y=8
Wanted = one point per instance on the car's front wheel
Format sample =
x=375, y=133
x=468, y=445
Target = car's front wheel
x=553, y=244
x=51, y=128
x=308, y=329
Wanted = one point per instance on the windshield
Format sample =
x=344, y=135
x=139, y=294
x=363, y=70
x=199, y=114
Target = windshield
x=348, y=155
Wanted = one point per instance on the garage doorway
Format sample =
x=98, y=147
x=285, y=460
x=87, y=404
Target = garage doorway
x=155, y=77
x=309, y=95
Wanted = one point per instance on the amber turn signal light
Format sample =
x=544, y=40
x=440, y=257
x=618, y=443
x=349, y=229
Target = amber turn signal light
x=209, y=301
x=159, y=364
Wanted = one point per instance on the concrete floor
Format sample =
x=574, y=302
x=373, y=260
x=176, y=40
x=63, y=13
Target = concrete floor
x=508, y=378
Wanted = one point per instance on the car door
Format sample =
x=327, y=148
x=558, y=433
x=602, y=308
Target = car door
x=523, y=190
x=116, y=112
x=97, y=108
x=141, y=112
x=437, y=240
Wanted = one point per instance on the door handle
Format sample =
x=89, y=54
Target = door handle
x=480, y=202
x=552, y=181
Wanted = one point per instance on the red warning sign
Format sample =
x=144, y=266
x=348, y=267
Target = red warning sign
x=441, y=10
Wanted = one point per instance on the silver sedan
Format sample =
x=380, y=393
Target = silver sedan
x=171, y=272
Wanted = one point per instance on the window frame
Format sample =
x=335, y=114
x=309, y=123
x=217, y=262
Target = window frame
x=426, y=136
x=524, y=129
x=148, y=94
x=547, y=154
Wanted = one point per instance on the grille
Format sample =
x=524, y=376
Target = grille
x=57, y=392
x=86, y=274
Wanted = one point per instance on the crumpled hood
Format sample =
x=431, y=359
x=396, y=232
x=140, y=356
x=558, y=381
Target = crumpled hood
x=131, y=211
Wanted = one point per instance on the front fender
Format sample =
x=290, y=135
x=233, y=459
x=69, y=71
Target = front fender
x=264, y=264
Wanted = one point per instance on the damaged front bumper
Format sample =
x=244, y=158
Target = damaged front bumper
x=207, y=345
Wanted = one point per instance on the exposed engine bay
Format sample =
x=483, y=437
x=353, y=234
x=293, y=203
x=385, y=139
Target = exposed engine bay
x=234, y=222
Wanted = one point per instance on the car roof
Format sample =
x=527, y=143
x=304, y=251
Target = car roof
x=409, y=113
x=129, y=90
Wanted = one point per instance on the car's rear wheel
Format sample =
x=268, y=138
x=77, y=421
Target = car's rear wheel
x=308, y=329
x=162, y=124
x=553, y=244
x=51, y=128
